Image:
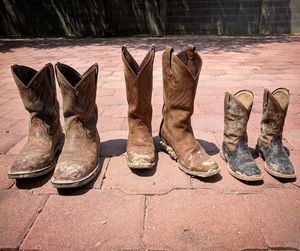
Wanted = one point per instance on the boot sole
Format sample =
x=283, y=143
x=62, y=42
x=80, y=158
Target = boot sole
x=40, y=172
x=239, y=176
x=137, y=167
x=169, y=150
x=77, y=183
x=275, y=174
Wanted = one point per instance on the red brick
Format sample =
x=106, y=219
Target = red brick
x=6, y=160
x=18, y=210
x=104, y=220
x=276, y=213
x=8, y=140
x=200, y=220
x=161, y=179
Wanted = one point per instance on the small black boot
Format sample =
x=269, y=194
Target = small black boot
x=269, y=144
x=235, y=150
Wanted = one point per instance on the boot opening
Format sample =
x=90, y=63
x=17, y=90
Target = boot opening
x=25, y=74
x=196, y=65
x=131, y=62
x=282, y=97
x=245, y=98
x=72, y=76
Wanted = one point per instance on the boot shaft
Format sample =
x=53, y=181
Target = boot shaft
x=237, y=109
x=180, y=79
x=275, y=106
x=79, y=96
x=139, y=85
x=38, y=93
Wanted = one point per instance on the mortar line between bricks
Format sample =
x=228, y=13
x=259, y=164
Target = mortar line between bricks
x=104, y=173
x=144, y=219
x=207, y=188
x=37, y=215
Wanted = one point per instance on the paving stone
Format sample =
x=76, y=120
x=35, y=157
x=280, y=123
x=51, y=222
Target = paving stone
x=200, y=220
x=101, y=220
x=6, y=160
x=161, y=179
x=8, y=140
x=276, y=213
x=18, y=210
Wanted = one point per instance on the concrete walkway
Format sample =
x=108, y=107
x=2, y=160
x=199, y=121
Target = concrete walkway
x=163, y=209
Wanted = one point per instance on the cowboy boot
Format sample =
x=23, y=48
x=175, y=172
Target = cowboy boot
x=45, y=140
x=235, y=150
x=78, y=163
x=139, y=80
x=180, y=79
x=269, y=144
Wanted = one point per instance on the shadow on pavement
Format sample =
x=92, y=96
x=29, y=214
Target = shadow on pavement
x=210, y=43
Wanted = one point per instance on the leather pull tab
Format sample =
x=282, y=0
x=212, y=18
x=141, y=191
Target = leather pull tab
x=169, y=51
x=153, y=47
x=190, y=56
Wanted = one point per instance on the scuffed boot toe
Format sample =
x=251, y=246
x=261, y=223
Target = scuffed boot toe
x=71, y=174
x=30, y=167
x=137, y=160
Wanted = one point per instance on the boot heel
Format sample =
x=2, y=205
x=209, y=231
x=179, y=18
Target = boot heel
x=168, y=149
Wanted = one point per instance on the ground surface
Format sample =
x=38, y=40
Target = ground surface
x=163, y=209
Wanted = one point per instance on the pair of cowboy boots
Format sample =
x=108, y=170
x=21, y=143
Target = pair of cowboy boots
x=78, y=162
x=237, y=109
x=180, y=79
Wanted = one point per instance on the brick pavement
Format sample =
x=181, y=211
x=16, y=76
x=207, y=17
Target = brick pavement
x=163, y=209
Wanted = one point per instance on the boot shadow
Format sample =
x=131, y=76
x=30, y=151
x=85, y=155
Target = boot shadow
x=84, y=189
x=32, y=183
x=213, y=179
x=113, y=147
x=209, y=147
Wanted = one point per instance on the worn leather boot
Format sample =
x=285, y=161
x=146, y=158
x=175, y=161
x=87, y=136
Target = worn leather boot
x=139, y=80
x=180, y=79
x=79, y=162
x=45, y=140
x=235, y=151
x=269, y=144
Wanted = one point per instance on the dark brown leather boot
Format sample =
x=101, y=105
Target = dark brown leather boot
x=180, y=79
x=38, y=93
x=235, y=151
x=269, y=144
x=140, y=146
x=78, y=163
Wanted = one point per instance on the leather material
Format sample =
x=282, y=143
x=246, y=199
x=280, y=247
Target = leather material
x=79, y=157
x=269, y=143
x=180, y=79
x=139, y=84
x=235, y=148
x=38, y=93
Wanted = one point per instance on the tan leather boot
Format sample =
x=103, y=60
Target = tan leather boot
x=139, y=82
x=45, y=140
x=180, y=79
x=269, y=144
x=79, y=162
x=235, y=150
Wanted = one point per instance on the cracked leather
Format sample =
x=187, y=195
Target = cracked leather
x=240, y=160
x=269, y=143
x=38, y=93
x=276, y=157
x=139, y=85
x=180, y=79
